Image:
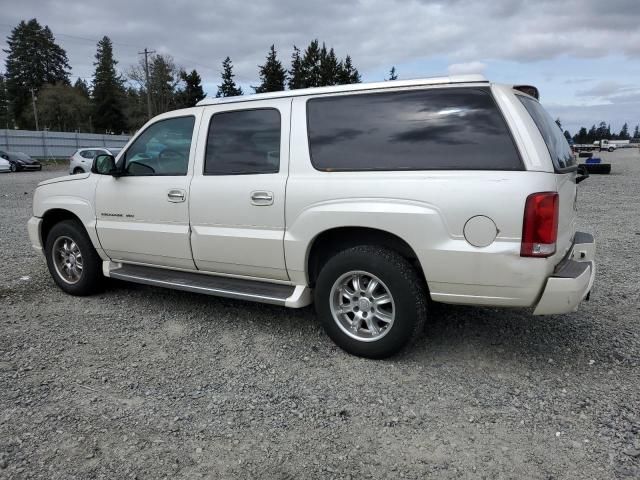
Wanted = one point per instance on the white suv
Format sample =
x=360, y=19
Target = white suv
x=82, y=160
x=366, y=199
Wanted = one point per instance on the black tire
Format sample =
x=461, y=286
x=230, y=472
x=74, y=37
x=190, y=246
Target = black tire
x=13, y=167
x=611, y=149
x=77, y=171
x=598, y=168
x=404, y=284
x=91, y=278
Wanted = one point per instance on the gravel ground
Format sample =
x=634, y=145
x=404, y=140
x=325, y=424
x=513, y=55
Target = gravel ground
x=143, y=382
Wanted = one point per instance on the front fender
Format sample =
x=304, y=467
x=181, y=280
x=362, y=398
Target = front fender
x=76, y=197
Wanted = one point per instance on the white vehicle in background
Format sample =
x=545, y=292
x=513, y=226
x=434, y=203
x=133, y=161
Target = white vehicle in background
x=365, y=199
x=5, y=166
x=598, y=145
x=81, y=161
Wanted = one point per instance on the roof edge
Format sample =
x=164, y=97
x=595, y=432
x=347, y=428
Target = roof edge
x=442, y=80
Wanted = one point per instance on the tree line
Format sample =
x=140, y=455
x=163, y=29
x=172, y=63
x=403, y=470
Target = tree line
x=36, y=90
x=603, y=132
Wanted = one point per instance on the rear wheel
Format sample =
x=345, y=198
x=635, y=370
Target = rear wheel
x=77, y=170
x=73, y=262
x=370, y=301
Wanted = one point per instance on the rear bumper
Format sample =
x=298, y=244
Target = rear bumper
x=572, y=280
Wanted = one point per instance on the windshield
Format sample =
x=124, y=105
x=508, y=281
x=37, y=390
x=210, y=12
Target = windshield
x=557, y=144
x=19, y=156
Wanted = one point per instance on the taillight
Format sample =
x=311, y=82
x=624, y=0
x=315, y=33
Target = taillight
x=540, y=225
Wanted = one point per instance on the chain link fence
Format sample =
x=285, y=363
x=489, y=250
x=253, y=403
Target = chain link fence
x=46, y=145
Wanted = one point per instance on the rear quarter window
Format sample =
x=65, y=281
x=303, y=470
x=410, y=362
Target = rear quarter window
x=559, y=149
x=435, y=129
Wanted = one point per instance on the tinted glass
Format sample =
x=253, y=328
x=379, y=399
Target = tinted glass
x=87, y=153
x=243, y=142
x=557, y=144
x=162, y=149
x=437, y=129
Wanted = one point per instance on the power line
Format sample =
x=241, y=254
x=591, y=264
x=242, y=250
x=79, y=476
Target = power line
x=129, y=45
x=77, y=37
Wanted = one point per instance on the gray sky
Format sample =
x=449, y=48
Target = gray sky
x=582, y=54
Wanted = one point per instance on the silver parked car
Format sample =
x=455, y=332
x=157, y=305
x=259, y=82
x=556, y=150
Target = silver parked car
x=5, y=166
x=81, y=161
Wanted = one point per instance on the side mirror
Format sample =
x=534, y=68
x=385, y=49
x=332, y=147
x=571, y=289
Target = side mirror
x=104, y=164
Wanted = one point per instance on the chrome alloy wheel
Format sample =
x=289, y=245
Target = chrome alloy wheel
x=362, y=306
x=67, y=258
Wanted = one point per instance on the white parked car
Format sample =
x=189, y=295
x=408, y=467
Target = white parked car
x=365, y=199
x=5, y=166
x=82, y=159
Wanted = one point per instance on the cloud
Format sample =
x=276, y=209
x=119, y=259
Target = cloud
x=464, y=68
x=377, y=33
x=605, y=89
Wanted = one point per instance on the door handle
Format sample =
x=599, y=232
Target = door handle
x=261, y=198
x=176, y=195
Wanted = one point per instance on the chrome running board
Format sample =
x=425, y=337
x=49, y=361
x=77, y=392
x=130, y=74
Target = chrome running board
x=241, y=289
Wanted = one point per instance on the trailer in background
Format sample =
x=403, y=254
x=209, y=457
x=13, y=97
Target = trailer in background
x=598, y=145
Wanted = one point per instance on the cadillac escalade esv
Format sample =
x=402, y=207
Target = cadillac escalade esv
x=367, y=200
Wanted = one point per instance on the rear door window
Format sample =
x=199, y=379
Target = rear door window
x=435, y=129
x=557, y=144
x=243, y=142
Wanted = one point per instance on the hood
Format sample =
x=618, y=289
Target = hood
x=24, y=160
x=67, y=178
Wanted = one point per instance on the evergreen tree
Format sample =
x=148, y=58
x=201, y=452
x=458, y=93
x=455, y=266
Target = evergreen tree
x=33, y=60
x=559, y=123
x=228, y=87
x=82, y=87
x=5, y=115
x=108, y=91
x=192, y=92
x=347, y=73
x=636, y=132
x=311, y=65
x=272, y=74
x=296, y=75
x=592, y=135
x=624, y=133
x=393, y=74
x=328, y=67
x=581, y=136
x=136, y=107
x=567, y=135
x=164, y=77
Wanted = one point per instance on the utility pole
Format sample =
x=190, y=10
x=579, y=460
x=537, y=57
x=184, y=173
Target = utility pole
x=146, y=54
x=35, y=110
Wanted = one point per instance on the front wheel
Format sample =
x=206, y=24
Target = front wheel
x=13, y=167
x=611, y=149
x=73, y=262
x=370, y=301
